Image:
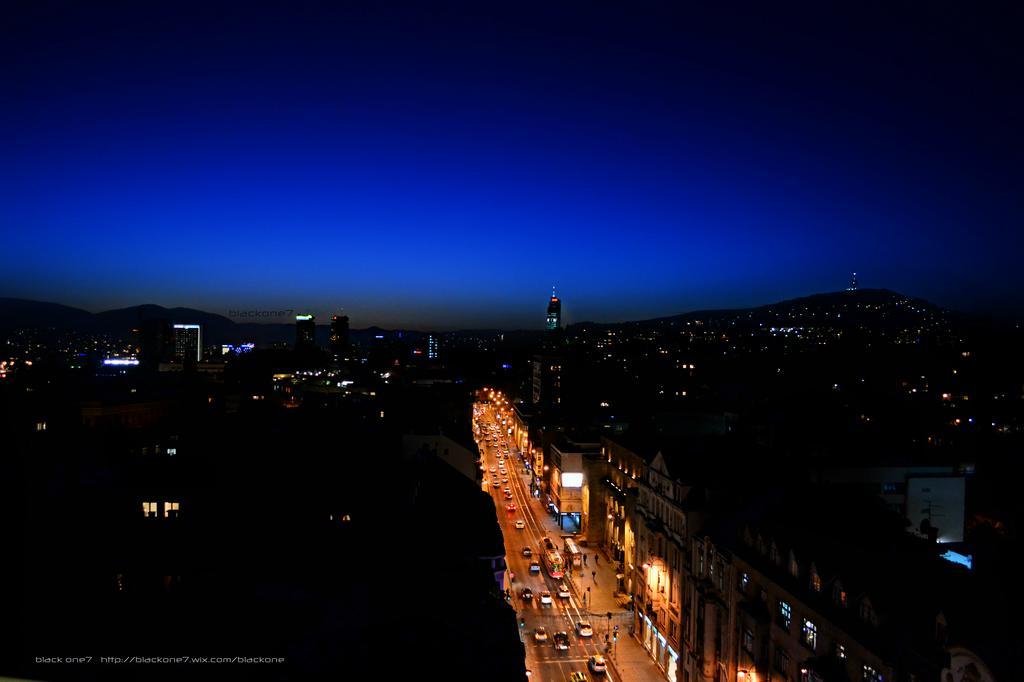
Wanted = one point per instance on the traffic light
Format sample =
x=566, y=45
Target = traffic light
x=522, y=622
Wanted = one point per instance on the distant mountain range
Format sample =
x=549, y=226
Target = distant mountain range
x=17, y=313
x=875, y=306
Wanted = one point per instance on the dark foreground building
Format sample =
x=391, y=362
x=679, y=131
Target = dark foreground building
x=261, y=544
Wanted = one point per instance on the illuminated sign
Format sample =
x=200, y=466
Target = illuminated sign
x=303, y=318
x=572, y=480
x=120, y=362
x=228, y=348
x=958, y=558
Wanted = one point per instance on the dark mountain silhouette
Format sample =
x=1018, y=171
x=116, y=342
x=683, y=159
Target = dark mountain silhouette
x=838, y=309
x=874, y=307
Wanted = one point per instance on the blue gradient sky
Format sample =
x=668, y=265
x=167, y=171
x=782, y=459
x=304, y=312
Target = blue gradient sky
x=443, y=166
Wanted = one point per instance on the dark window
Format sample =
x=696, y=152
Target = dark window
x=781, y=660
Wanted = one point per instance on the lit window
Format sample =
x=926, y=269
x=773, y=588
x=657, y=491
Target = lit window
x=171, y=510
x=840, y=651
x=815, y=581
x=744, y=581
x=809, y=634
x=149, y=509
x=172, y=451
x=839, y=595
x=871, y=675
x=785, y=614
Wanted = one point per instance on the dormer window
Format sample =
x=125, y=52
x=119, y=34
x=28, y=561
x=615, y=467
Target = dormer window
x=839, y=595
x=748, y=539
x=815, y=579
x=774, y=555
x=940, y=628
x=794, y=567
x=867, y=612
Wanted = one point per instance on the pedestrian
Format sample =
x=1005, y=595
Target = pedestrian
x=584, y=559
x=593, y=574
x=597, y=559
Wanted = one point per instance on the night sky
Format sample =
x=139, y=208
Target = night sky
x=443, y=166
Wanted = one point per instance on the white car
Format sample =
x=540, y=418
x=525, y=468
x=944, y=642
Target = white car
x=493, y=469
x=597, y=664
x=563, y=591
x=545, y=597
x=520, y=524
x=534, y=567
x=583, y=629
x=540, y=635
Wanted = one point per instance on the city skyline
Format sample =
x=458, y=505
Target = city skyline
x=328, y=317
x=558, y=342
x=445, y=167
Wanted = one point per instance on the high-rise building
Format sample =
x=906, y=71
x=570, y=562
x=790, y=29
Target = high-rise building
x=432, y=347
x=339, y=337
x=188, y=344
x=305, y=331
x=547, y=381
x=554, y=312
x=154, y=342
x=853, y=283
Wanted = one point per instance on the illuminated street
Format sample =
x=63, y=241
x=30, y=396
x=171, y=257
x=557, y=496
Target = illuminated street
x=542, y=658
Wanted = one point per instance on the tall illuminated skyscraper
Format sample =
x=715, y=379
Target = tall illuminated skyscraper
x=305, y=331
x=554, y=312
x=188, y=342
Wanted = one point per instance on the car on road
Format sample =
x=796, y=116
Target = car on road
x=540, y=634
x=508, y=496
x=563, y=591
x=493, y=469
x=511, y=506
x=507, y=489
x=545, y=597
x=504, y=480
x=583, y=629
x=561, y=641
x=534, y=567
x=597, y=664
x=526, y=594
x=527, y=551
x=578, y=677
x=520, y=524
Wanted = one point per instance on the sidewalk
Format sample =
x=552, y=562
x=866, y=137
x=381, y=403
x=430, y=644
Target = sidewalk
x=629, y=659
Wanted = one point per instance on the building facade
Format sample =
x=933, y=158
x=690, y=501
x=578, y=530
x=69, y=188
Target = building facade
x=305, y=331
x=188, y=343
